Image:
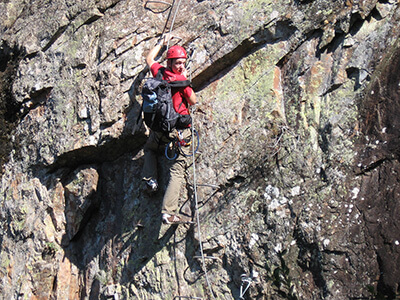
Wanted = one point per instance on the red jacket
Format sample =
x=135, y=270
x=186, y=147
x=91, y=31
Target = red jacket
x=179, y=95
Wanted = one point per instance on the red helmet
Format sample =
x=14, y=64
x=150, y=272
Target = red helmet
x=176, y=52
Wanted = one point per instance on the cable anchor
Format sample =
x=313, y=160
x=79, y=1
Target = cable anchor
x=245, y=281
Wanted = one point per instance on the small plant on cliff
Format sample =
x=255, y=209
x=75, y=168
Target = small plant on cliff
x=281, y=280
x=49, y=250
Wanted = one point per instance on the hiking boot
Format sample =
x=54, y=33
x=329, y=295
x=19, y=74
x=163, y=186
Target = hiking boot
x=174, y=219
x=152, y=185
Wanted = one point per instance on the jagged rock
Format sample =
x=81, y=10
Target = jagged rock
x=79, y=193
x=296, y=175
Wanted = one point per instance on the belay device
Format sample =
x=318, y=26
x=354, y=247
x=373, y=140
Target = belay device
x=158, y=109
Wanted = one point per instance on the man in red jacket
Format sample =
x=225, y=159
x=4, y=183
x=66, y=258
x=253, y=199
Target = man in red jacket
x=182, y=98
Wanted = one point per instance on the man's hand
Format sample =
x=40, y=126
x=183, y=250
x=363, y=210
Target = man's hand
x=150, y=59
x=166, y=38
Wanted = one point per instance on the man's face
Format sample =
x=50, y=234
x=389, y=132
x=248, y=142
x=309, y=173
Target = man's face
x=178, y=65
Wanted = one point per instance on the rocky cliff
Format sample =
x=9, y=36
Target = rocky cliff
x=296, y=177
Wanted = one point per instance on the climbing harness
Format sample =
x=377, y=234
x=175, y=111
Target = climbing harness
x=179, y=145
x=245, y=281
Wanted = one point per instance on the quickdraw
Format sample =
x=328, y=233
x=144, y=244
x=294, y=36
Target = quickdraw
x=179, y=145
x=181, y=141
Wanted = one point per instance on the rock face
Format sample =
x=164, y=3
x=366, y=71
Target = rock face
x=297, y=174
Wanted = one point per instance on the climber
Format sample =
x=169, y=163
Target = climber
x=182, y=98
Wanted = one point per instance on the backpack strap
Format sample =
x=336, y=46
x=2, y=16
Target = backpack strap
x=160, y=73
x=139, y=115
x=174, y=84
x=159, y=76
x=180, y=83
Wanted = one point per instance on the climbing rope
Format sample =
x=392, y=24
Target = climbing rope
x=198, y=216
x=168, y=5
x=171, y=8
x=173, y=19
